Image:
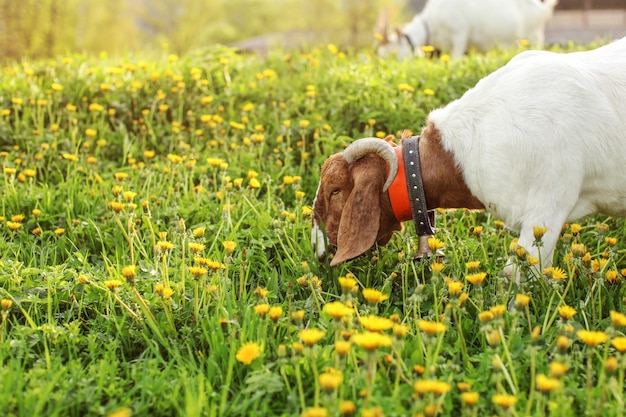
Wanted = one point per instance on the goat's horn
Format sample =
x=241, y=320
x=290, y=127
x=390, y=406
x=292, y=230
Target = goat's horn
x=360, y=148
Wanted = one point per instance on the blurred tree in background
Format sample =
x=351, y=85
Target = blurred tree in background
x=45, y=28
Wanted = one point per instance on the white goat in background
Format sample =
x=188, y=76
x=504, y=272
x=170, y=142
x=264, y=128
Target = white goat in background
x=454, y=26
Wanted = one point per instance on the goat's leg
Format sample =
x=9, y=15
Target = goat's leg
x=459, y=45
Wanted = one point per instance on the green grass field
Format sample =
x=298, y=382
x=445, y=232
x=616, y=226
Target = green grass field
x=155, y=257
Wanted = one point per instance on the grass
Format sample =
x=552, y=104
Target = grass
x=155, y=255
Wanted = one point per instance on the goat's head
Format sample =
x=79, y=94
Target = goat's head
x=394, y=43
x=352, y=204
x=403, y=43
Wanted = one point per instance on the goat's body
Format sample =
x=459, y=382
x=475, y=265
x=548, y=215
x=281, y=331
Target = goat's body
x=456, y=25
x=542, y=141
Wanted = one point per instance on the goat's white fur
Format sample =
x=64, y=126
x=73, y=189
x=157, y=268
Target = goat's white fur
x=456, y=25
x=542, y=140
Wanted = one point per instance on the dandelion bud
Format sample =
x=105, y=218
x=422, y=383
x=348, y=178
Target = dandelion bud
x=611, y=365
x=6, y=303
x=347, y=408
x=493, y=338
x=539, y=231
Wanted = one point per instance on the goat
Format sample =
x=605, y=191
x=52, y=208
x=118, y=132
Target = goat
x=539, y=142
x=453, y=26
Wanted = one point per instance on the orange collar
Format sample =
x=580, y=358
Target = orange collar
x=398, y=193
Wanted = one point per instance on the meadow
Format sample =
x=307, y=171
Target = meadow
x=155, y=255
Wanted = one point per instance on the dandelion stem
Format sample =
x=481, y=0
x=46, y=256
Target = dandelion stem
x=299, y=383
x=457, y=322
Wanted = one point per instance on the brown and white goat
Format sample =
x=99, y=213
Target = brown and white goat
x=540, y=142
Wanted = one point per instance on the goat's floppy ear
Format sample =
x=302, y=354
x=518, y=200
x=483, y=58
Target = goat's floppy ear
x=360, y=218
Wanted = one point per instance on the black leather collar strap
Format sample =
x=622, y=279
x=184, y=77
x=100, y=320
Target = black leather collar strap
x=415, y=186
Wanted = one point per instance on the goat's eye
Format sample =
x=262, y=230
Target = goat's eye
x=335, y=191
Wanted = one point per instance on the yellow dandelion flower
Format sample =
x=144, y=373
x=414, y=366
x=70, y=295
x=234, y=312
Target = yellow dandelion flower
x=558, y=369
x=29, y=173
x=546, y=384
x=618, y=319
x=347, y=283
x=6, y=304
x=59, y=231
x=197, y=271
x=404, y=87
x=485, y=316
x=347, y=408
x=454, y=287
x=248, y=353
x=494, y=338
x=464, y=386
x=167, y=293
x=311, y=336
x=435, y=244
x=196, y=246
x=121, y=412
x=254, y=183
x=261, y=292
x=262, y=309
x=165, y=245
x=477, y=278
x=13, y=225
x=575, y=228
x=431, y=327
x=337, y=309
x=472, y=265
x=113, y=284
x=330, y=380
x=534, y=335
x=304, y=123
x=610, y=241
x=555, y=273
x=314, y=412
x=498, y=310
x=371, y=340
x=129, y=195
x=598, y=264
x=566, y=312
x=612, y=276
x=504, y=400
x=522, y=300
x=342, y=347
x=129, y=271
x=120, y=176
x=70, y=157
x=563, y=343
x=436, y=266
x=539, y=231
x=592, y=337
x=470, y=398
x=275, y=313
x=619, y=343
x=373, y=296
x=375, y=323
x=229, y=246
x=429, y=92
x=425, y=386
x=578, y=249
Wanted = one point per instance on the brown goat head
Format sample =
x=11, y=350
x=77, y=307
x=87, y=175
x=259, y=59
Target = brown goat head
x=352, y=206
